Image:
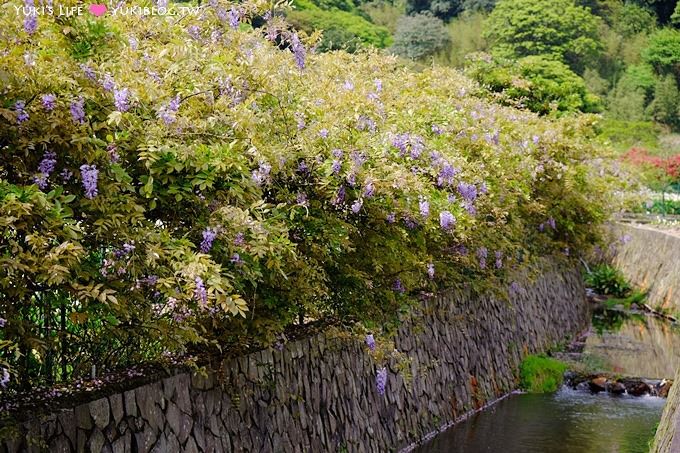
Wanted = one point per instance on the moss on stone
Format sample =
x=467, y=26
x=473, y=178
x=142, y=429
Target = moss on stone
x=540, y=374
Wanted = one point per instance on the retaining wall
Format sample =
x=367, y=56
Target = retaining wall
x=650, y=259
x=319, y=394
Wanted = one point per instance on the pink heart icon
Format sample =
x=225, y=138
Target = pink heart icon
x=98, y=9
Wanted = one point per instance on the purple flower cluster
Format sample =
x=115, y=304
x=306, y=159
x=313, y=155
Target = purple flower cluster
x=365, y=123
x=299, y=51
x=108, y=83
x=499, y=259
x=430, y=270
x=3, y=321
x=78, y=110
x=482, y=253
x=381, y=381
x=398, y=286
x=20, y=108
x=194, y=31
x=5, y=378
x=89, y=175
x=88, y=71
x=514, y=288
x=45, y=169
x=339, y=197
x=370, y=342
x=236, y=259
x=369, y=189
x=200, y=293
x=234, y=18
x=31, y=23
x=167, y=113
x=446, y=175
x=209, y=235
x=424, y=207
x=49, y=101
x=240, y=239
x=391, y=217
x=356, y=206
x=446, y=220
x=260, y=176
x=121, y=99
x=407, y=143
x=467, y=191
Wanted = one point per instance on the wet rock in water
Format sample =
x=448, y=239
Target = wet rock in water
x=638, y=388
x=598, y=384
x=664, y=388
x=616, y=388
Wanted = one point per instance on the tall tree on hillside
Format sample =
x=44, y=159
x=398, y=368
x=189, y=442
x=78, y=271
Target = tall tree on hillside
x=557, y=29
x=443, y=9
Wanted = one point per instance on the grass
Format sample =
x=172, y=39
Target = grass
x=540, y=374
x=637, y=297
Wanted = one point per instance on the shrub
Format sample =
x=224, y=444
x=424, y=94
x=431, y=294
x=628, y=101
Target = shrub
x=419, y=36
x=607, y=280
x=536, y=83
x=540, y=374
x=188, y=185
x=664, y=106
x=342, y=29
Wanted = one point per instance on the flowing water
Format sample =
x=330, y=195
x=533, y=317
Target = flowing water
x=572, y=421
x=568, y=421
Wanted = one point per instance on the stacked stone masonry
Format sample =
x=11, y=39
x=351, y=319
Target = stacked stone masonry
x=318, y=394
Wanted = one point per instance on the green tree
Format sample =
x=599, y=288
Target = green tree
x=664, y=107
x=557, y=29
x=663, y=51
x=419, y=36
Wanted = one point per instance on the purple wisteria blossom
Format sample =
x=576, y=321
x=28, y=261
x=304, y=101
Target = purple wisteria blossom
x=133, y=42
x=514, y=288
x=240, y=239
x=31, y=23
x=49, y=101
x=323, y=133
x=20, y=108
x=66, y=175
x=339, y=197
x=108, y=83
x=209, y=235
x=3, y=322
x=88, y=71
x=430, y=270
x=89, y=175
x=381, y=380
x=446, y=175
x=378, y=85
x=467, y=191
x=446, y=220
x=370, y=342
x=356, y=206
x=301, y=199
x=410, y=223
x=236, y=259
x=45, y=169
x=437, y=130
x=5, y=378
x=299, y=51
x=369, y=189
x=121, y=99
x=499, y=259
x=78, y=110
x=398, y=286
x=194, y=31
x=552, y=224
x=391, y=217
x=200, y=293
x=168, y=112
x=29, y=59
x=365, y=123
x=234, y=17
x=112, y=149
x=348, y=85
x=260, y=176
x=424, y=207
x=482, y=253
x=303, y=168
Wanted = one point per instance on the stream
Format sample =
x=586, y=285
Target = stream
x=577, y=421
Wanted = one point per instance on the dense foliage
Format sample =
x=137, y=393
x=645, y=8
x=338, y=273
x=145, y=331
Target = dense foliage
x=559, y=29
x=171, y=181
x=419, y=36
x=539, y=84
x=607, y=280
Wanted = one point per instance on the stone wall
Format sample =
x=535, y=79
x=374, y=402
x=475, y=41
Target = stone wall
x=650, y=259
x=318, y=394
